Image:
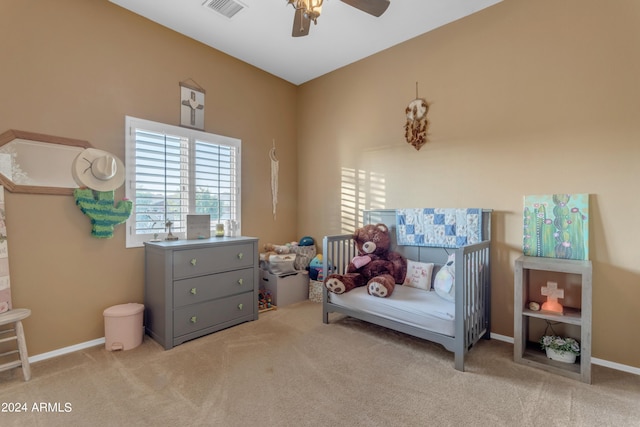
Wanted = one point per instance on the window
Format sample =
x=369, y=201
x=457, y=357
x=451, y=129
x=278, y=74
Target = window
x=174, y=171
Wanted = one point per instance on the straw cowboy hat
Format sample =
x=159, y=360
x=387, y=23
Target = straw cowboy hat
x=98, y=170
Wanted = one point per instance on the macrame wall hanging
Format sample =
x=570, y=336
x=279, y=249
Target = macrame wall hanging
x=275, y=165
x=417, y=125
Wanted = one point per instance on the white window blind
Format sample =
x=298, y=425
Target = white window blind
x=174, y=171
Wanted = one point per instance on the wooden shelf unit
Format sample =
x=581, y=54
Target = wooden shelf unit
x=528, y=353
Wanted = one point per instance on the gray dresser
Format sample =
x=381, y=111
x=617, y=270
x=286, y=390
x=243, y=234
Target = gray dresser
x=196, y=287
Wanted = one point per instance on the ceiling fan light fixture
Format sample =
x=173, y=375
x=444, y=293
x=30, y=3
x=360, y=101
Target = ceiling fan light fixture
x=307, y=11
x=311, y=9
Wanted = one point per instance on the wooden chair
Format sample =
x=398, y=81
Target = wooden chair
x=15, y=316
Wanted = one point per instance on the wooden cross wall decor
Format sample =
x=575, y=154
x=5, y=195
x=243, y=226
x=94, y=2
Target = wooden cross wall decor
x=191, y=105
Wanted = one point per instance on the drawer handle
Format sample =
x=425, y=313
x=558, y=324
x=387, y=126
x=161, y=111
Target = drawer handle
x=240, y=255
x=193, y=291
x=193, y=319
x=240, y=282
x=239, y=306
x=193, y=262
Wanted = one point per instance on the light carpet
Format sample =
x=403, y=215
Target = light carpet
x=289, y=369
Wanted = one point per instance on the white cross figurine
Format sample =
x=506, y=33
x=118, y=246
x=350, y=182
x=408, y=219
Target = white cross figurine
x=552, y=293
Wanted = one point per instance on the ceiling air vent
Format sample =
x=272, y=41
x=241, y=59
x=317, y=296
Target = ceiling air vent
x=226, y=8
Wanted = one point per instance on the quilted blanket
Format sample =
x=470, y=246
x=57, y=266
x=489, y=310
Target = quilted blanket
x=445, y=228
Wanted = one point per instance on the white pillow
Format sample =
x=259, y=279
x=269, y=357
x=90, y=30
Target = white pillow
x=444, y=283
x=418, y=275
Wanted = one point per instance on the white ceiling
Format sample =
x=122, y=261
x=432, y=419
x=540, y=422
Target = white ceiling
x=260, y=34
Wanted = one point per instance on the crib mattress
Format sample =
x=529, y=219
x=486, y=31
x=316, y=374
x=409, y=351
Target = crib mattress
x=416, y=307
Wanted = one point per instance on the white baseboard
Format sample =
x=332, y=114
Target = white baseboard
x=66, y=350
x=501, y=338
x=616, y=366
x=594, y=360
x=498, y=337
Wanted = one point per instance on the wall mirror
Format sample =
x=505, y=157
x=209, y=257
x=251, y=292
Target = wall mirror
x=38, y=164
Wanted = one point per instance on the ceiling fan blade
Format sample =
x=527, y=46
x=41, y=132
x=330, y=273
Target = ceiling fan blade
x=301, y=24
x=372, y=7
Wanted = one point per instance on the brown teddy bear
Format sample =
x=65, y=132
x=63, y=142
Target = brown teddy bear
x=376, y=266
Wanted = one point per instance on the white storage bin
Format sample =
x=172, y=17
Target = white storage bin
x=286, y=289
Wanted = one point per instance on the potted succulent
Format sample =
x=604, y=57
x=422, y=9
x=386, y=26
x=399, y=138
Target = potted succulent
x=560, y=349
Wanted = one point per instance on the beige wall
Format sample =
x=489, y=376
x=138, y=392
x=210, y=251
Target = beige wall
x=528, y=97
x=74, y=68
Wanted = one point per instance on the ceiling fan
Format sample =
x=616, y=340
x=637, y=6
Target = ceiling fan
x=308, y=11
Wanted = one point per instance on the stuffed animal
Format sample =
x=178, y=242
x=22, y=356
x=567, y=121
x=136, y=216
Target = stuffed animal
x=445, y=280
x=376, y=266
x=270, y=249
x=278, y=249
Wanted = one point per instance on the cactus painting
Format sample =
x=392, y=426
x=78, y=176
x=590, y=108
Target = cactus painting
x=556, y=226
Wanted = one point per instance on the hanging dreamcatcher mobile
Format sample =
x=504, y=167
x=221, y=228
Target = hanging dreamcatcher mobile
x=417, y=125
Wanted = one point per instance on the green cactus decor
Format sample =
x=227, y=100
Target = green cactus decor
x=556, y=226
x=99, y=207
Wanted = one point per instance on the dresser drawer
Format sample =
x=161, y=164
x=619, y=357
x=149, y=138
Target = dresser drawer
x=204, y=288
x=199, y=316
x=198, y=262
